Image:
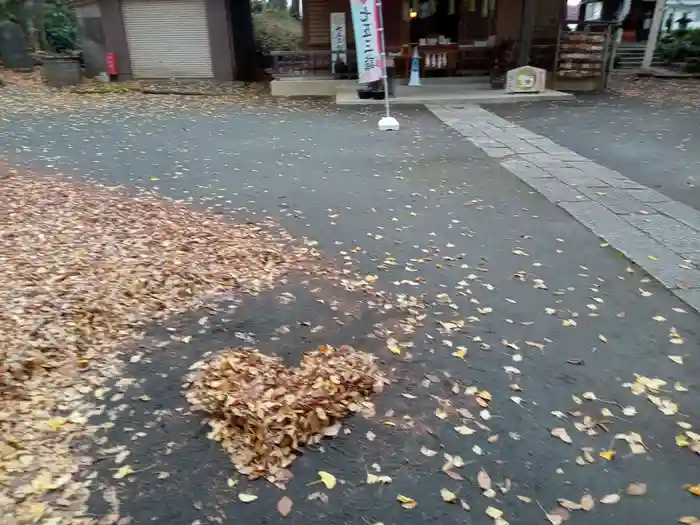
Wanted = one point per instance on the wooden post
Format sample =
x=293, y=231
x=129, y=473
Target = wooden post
x=527, y=28
x=654, y=33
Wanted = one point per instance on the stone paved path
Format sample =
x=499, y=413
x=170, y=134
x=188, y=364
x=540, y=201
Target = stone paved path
x=654, y=144
x=657, y=233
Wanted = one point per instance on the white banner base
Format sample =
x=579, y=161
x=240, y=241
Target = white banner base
x=388, y=124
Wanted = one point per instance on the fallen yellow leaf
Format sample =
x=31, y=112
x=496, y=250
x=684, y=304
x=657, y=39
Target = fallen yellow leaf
x=461, y=353
x=681, y=441
x=494, y=513
x=56, y=424
x=123, y=472
x=327, y=479
x=393, y=346
x=694, y=490
x=464, y=430
x=247, y=498
x=448, y=496
x=607, y=454
x=373, y=479
x=406, y=502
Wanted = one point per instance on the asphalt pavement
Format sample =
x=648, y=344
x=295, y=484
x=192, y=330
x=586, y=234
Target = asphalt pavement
x=557, y=324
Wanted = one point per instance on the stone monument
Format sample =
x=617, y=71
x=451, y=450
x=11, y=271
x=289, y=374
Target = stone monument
x=13, y=48
x=526, y=79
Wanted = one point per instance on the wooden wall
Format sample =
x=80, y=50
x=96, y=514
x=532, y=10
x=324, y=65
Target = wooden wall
x=506, y=23
x=317, y=26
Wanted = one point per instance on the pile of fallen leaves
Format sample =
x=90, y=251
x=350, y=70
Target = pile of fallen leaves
x=658, y=91
x=263, y=411
x=83, y=271
x=26, y=93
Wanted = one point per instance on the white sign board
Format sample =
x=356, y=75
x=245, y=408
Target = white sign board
x=339, y=39
x=526, y=79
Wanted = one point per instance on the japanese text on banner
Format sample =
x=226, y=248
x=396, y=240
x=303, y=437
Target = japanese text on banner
x=365, y=22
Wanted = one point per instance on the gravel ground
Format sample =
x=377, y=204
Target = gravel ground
x=556, y=325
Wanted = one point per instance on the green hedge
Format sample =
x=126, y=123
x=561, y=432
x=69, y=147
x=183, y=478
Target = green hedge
x=277, y=30
x=682, y=45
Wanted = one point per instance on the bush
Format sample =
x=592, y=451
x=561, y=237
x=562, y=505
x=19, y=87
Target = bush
x=60, y=25
x=681, y=45
x=277, y=30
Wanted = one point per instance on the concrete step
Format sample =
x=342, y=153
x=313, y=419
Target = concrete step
x=453, y=81
x=403, y=90
x=637, y=65
x=428, y=95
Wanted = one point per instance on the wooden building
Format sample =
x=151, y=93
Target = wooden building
x=468, y=30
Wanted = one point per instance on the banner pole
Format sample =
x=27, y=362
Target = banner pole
x=387, y=123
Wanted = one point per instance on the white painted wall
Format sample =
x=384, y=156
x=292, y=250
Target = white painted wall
x=677, y=8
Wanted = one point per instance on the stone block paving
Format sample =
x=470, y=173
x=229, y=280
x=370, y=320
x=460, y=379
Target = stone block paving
x=655, y=232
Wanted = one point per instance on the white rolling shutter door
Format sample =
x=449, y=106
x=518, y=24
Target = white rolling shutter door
x=167, y=38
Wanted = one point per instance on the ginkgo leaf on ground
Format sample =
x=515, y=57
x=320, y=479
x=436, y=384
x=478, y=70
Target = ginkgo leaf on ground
x=464, y=430
x=373, y=479
x=393, y=346
x=494, y=513
x=406, y=502
x=123, y=472
x=607, y=454
x=694, y=490
x=448, y=496
x=327, y=479
x=247, y=498
x=460, y=353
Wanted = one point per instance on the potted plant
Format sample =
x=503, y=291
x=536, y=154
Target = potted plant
x=502, y=61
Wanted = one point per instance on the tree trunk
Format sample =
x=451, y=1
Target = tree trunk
x=27, y=13
x=40, y=25
x=244, y=51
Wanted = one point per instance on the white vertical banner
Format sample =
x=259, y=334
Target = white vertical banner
x=339, y=40
x=368, y=42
